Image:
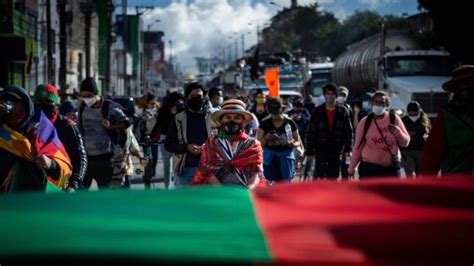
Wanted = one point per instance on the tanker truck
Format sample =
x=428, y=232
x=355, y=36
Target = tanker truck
x=401, y=69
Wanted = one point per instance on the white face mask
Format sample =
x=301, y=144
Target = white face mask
x=341, y=99
x=220, y=100
x=378, y=110
x=90, y=101
x=414, y=118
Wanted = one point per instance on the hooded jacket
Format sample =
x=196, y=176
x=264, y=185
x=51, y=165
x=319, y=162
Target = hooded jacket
x=35, y=135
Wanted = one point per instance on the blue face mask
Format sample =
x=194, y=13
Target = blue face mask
x=366, y=106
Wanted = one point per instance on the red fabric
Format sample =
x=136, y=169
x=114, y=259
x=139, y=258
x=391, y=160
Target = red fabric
x=425, y=221
x=250, y=160
x=434, y=148
x=330, y=116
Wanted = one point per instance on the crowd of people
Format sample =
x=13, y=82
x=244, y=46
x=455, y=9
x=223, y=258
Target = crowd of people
x=244, y=141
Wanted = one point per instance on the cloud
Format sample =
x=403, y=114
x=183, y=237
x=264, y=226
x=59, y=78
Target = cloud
x=374, y=4
x=202, y=28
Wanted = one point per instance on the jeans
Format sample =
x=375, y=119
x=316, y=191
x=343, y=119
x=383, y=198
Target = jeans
x=278, y=166
x=327, y=165
x=374, y=170
x=412, y=162
x=154, y=156
x=167, y=157
x=100, y=169
x=186, y=177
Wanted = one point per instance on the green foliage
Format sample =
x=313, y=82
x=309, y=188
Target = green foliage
x=319, y=33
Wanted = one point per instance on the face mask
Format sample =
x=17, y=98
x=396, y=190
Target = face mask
x=196, y=104
x=378, y=110
x=73, y=116
x=220, y=100
x=260, y=101
x=49, y=109
x=90, y=101
x=231, y=128
x=330, y=99
x=366, y=107
x=150, y=110
x=341, y=99
x=274, y=111
x=180, y=106
x=414, y=118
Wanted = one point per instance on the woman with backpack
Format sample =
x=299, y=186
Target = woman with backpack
x=419, y=126
x=378, y=137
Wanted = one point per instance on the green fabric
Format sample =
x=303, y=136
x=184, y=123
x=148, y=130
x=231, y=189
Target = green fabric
x=196, y=224
x=459, y=143
x=48, y=92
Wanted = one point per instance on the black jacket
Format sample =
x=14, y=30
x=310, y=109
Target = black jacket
x=417, y=142
x=69, y=134
x=319, y=138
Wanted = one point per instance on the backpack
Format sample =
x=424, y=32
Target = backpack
x=118, y=137
x=370, y=117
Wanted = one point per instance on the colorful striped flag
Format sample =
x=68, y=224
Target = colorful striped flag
x=45, y=142
x=378, y=222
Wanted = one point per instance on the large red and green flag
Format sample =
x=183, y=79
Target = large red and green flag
x=378, y=222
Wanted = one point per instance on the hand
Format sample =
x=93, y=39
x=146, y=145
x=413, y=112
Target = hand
x=43, y=162
x=270, y=136
x=356, y=109
x=194, y=149
x=394, y=129
x=293, y=144
x=105, y=123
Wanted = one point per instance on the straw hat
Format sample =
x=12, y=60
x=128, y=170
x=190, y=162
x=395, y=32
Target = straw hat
x=232, y=106
x=463, y=78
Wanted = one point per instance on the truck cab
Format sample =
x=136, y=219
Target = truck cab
x=416, y=75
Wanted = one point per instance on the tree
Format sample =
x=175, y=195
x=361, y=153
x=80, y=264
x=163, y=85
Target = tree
x=452, y=25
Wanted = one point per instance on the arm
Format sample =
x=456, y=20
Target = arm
x=357, y=150
x=348, y=133
x=311, y=134
x=78, y=155
x=434, y=148
x=296, y=139
x=401, y=134
x=171, y=142
x=260, y=136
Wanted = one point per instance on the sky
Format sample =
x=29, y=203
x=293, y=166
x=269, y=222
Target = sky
x=203, y=28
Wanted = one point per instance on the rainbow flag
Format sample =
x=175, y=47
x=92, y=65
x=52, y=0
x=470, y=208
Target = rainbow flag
x=427, y=221
x=41, y=138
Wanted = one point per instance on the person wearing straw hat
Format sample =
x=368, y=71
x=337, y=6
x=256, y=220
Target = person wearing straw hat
x=231, y=157
x=450, y=146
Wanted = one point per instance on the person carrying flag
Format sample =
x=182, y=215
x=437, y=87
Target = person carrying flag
x=32, y=158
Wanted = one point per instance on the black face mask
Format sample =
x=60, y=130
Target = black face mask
x=49, y=109
x=196, y=104
x=231, y=128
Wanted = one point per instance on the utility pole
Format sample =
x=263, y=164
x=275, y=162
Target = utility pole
x=236, y=48
x=126, y=87
x=140, y=80
x=110, y=12
x=243, y=45
x=61, y=6
x=49, y=41
x=87, y=8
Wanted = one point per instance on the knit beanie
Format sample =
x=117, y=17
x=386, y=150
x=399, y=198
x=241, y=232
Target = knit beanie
x=89, y=84
x=48, y=92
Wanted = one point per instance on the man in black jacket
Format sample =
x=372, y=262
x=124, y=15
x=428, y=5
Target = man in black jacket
x=46, y=98
x=329, y=135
